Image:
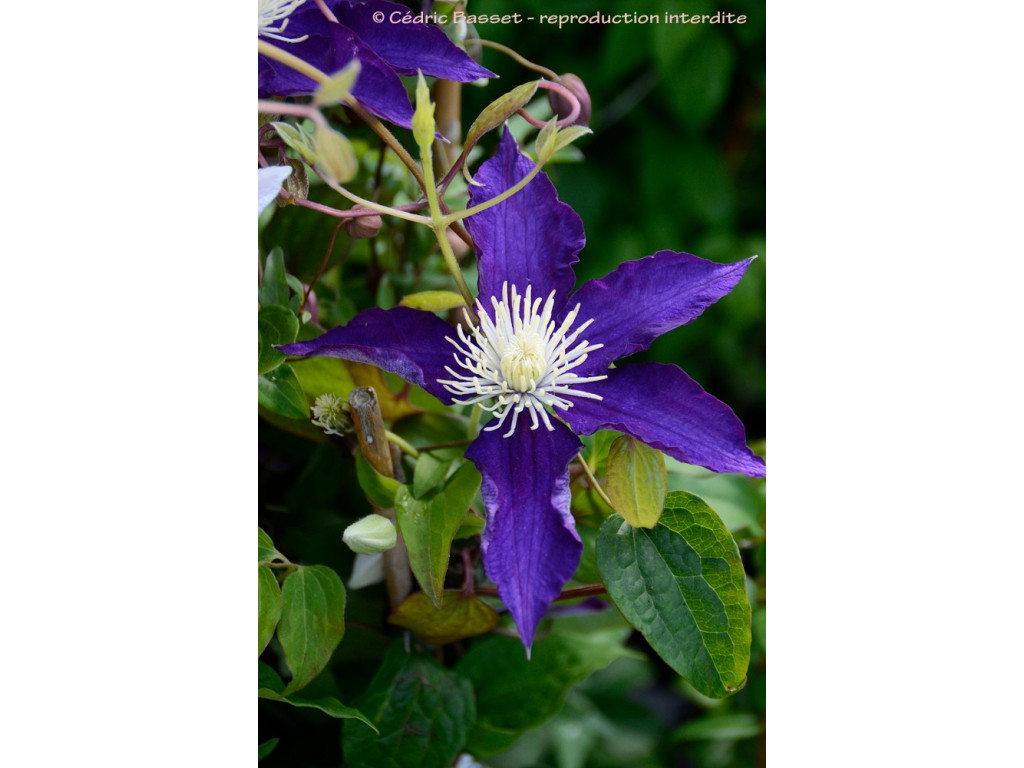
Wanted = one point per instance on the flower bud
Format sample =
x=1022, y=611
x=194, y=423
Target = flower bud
x=330, y=413
x=371, y=535
x=563, y=107
x=334, y=154
x=298, y=183
x=361, y=227
x=423, y=117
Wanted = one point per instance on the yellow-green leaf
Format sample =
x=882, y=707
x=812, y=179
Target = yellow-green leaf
x=637, y=481
x=433, y=301
x=457, y=618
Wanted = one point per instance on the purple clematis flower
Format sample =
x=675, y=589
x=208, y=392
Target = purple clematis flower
x=365, y=31
x=539, y=352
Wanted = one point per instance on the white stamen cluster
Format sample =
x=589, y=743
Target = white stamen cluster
x=272, y=11
x=520, y=360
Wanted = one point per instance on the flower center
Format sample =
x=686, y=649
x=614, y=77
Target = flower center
x=523, y=362
x=272, y=11
x=519, y=358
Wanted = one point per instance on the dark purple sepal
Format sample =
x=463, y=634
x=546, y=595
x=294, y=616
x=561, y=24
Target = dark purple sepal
x=660, y=405
x=531, y=238
x=530, y=545
x=640, y=300
x=329, y=48
x=408, y=342
x=408, y=47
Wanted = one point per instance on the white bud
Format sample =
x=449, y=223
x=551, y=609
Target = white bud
x=371, y=535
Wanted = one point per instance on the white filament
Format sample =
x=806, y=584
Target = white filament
x=272, y=11
x=520, y=360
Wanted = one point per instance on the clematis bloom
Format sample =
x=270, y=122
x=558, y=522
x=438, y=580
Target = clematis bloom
x=385, y=50
x=539, y=361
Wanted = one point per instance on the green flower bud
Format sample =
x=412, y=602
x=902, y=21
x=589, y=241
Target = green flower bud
x=371, y=535
x=423, y=117
x=334, y=154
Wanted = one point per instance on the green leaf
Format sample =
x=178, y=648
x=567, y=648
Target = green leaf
x=380, y=490
x=741, y=725
x=496, y=113
x=433, y=301
x=637, y=481
x=267, y=747
x=320, y=375
x=278, y=325
x=326, y=704
x=298, y=140
x=682, y=585
x=471, y=526
x=422, y=710
x=270, y=605
x=458, y=617
x=430, y=472
x=275, y=286
x=268, y=553
x=428, y=527
x=269, y=679
x=281, y=393
x=515, y=693
x=312, y=621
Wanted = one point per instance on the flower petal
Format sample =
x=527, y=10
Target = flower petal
x=530, y=544
x=330, y=47
x=640, y=300
x=270, y=182
x=663, y=407
x=408, y=342
x=408, y=46
x=531, y=238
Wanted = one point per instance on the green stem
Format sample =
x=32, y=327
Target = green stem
x=453, y=217
x=440, y=226
x=512, y=54
x=406, y=447
x=593, y=481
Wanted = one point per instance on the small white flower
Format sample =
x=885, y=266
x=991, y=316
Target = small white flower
x=366, y=571
x=271, y=180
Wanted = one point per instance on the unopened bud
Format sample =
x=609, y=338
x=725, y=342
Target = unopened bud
x=371, y=535
x=297, y=185
x=423, y=117
x=362, y=227
x=331, y=414
x=563, y=107
x=334, y=154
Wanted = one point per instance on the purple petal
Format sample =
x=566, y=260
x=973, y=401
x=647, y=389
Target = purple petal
x=277, y=79
x=330, y=47
x=530, y=545
x=663, y=407
x=531, y=238
x=408, y=47
x=640, y=300
x=408, y=342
